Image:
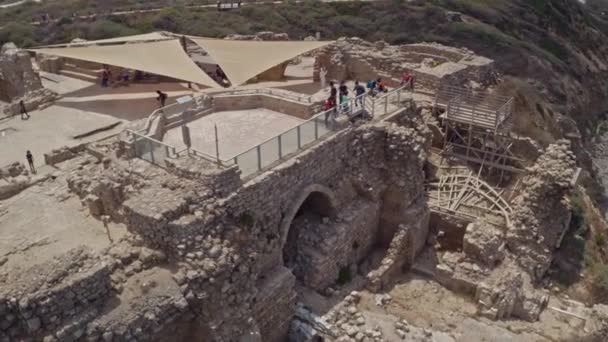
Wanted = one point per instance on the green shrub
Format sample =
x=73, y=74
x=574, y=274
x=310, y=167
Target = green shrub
x=600, y=280
x=344, y=275
x=578, y=221
x=600, y=239
x=247, y=219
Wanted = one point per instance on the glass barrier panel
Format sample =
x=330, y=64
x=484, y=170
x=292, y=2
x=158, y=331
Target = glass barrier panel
x=307, y=133
x=323, y=127
x=159, y=151
x=143, y=149
x=289, y=141
x=248, y=162
x=269, y=152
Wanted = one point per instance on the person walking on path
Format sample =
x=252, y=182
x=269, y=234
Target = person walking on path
x=24, y=114
x=162, y=98
x=105, y=77
x=359, y=90
x=30, y=161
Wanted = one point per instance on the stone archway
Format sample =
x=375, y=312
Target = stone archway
x=313, y=204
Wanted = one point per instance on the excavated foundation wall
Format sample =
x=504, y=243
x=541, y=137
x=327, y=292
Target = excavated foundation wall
x=278, y=104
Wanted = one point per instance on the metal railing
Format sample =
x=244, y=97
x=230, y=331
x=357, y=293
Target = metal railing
x=172, y=109
x=314, y=129
x=150, y=149
x=280, y=146
x=385, y=103
x=272, y=92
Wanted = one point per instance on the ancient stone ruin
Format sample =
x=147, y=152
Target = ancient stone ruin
x=349, y=237
x=20, y=82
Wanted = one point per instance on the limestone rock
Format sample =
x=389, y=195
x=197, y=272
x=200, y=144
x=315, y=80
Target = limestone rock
x=484, y=243
x=17, y=77
x=540, y=213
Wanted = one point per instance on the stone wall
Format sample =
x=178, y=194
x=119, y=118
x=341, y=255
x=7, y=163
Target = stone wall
x=49, y=295
x=541, y=213
x=278, y=104
x=274, y=303
x=33, y=100
x=62, y=154
x=17, y=77
x=331, y=247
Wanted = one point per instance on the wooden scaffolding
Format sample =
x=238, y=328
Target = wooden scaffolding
x=476, y=128
x=467, y=197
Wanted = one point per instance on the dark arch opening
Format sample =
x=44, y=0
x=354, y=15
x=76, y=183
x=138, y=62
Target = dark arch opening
x=315, y=207
x=318, y=203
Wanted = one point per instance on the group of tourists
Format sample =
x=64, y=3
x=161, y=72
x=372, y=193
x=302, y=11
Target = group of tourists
x=123, y=78
x=339, y=97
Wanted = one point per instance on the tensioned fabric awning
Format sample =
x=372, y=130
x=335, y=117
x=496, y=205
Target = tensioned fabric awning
x=124, y=39
x=165, y=58
x=243, y=59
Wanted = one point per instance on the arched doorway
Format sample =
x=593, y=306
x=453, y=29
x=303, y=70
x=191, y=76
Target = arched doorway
x=303, y=217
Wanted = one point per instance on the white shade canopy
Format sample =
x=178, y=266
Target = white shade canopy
x=163, y=54
x=166, y=57
x=124, y=39
x=243, y=59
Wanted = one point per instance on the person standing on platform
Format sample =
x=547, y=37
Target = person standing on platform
x=359, y=90
x=333, y=92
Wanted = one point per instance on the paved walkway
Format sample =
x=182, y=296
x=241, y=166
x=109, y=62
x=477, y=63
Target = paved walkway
x=238, y=130
x=49, y=129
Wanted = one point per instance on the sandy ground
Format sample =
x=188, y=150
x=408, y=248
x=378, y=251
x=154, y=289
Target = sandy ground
x=424, y=303
x=49, y=129
x=44, y=221
x=84, y=107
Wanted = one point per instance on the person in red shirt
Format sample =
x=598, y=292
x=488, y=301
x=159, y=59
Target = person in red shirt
x=407, y=80
x=330, y=105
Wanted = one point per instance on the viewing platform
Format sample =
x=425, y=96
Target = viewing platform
x=467, y=107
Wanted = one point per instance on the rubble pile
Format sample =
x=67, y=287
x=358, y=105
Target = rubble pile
x=541, y=214
x=14, y=178
x=484, y=243
x=508, y=293
x=103, y=192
